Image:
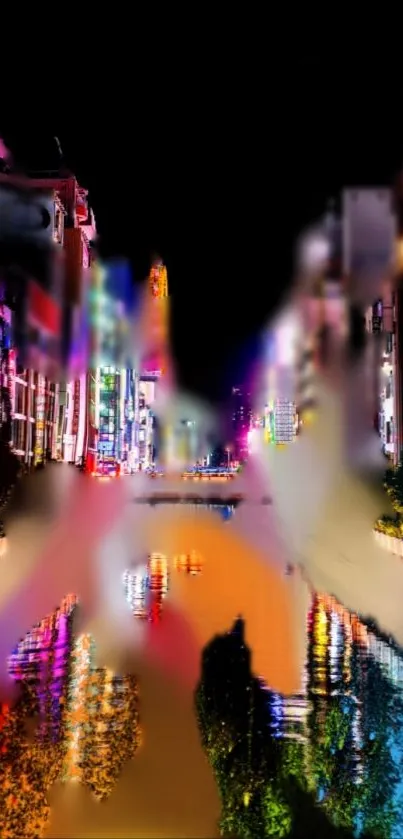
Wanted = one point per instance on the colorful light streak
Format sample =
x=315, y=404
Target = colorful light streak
x=75, y=701
x=190, y=563
x=77, y=710
x=147, y=586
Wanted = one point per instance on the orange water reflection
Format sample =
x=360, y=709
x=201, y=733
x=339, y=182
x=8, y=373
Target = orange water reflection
x=86, y=723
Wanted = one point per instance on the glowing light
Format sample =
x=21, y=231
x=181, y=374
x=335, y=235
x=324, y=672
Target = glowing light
x=136, y=585
x=314, y=252
x=190, y=563
x=77, y=714
x=158, y=280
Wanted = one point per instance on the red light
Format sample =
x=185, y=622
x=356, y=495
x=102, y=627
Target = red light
x=42, y=310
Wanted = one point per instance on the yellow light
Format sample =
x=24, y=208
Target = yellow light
x=399, y=254
x=309, y=417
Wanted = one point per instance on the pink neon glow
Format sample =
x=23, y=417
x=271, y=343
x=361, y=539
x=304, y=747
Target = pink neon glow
x=4, y=152
x=12, y=368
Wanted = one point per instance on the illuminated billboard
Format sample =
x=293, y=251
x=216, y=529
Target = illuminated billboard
x=39, y=449
x=111, y=303
x=155, y=325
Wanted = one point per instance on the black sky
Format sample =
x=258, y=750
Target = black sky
x=219, y=185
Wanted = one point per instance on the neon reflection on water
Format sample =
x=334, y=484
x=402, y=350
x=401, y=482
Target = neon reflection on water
x=146, y=586
x=336, y=745
x=88, y=722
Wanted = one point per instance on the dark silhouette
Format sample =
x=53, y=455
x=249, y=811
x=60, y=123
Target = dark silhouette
x=259, y=757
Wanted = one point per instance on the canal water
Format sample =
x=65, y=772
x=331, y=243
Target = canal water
x=120, y=725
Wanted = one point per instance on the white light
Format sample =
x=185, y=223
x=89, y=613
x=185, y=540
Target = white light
x=315, y=251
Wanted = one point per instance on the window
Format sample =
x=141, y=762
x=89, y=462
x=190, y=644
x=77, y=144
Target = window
x=20, y=398
x=33, y=402
x=51, y=409
x=19, y=431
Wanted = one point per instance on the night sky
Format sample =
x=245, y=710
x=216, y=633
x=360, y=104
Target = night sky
x=219, y=185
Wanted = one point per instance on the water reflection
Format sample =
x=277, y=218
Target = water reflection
x=86, y=722
x=146, y=586
x=284, y=763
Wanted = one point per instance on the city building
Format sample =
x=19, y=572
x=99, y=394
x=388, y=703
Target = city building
x=146, y=435
x=121, y=424
x=348, y=266
x=68, y=388
x=396, y=361
x=74, y=413
x=241, y=415
x=155, y=367
x=155, y=363
x=381, y=324
x=392, y=420
x=370, y=235
x=32, y=289
x=29, y=404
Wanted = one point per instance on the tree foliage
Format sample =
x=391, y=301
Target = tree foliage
x=393, y=484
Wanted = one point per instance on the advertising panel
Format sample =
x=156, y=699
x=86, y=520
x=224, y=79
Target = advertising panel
x=12, y=370
x=43, y=327
x=109, y=417
x=284, y=421
x=40, y=420
x=154, y=362
x=111, y=302
x=369, y=241
x=76, y=406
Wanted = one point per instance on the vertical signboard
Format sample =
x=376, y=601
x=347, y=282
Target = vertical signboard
x=108, y=447
x=12, y=369
x=40, y=420
x=76, y=406
x=377, y=317
x=155, y=360
x=369, y=241
x=284, y=421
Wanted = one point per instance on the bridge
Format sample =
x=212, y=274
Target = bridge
x=197, y=500
x=196, y=474
x=174, y=489
x=245, y=503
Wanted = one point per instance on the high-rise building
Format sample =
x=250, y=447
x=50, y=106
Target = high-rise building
x=155, y=362
x=74, y=414
x=155, y=368
x=111, y=444
x=241, y=415
x=146, y=420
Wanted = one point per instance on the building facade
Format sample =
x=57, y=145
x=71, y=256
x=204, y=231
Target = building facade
x=32, y=285
x=241, y=418
x=75, y=413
